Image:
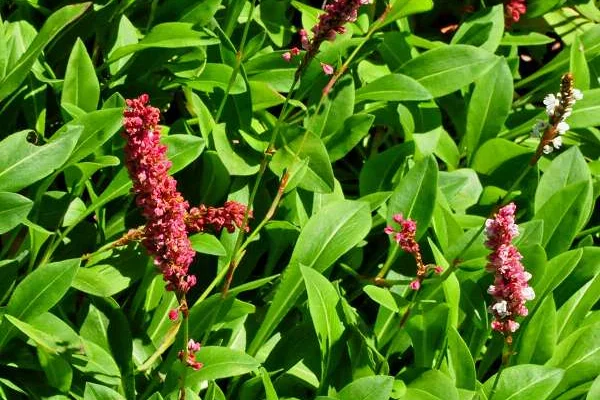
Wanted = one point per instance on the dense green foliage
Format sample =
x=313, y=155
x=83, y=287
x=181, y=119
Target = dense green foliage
x=424, y=118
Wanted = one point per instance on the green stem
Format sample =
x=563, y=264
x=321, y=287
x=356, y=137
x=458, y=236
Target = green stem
x=388, y=262
x=505, y=360
x=588, y=232
x=186, y=334
x=238, y=63
x=261, y=172
x=500, y=203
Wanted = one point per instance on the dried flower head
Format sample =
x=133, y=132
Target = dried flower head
x=559, y=107
x=510, y=289
x=165, y=233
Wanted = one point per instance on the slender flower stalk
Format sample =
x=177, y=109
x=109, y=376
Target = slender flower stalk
x=510, y=289
x=559, y=107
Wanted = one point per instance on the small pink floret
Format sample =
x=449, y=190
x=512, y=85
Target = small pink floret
x=415, y=285
x=327, y=69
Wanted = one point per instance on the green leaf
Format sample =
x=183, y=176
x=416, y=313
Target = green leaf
x=318, y=176
x=538, y=339
x=446, y=69
x=561, y=215
x=435, y=383
x=495, y=152
x=58, y=371
x=403, y=8
x=37, y=293
x=264, y=96
x=207, y=244
x=379, y=171
x=483, y=29
x=555, y=272
x=348, y=136
x=81, y=87
x=586, y=112
x=182, y=150
x=237, y=162
x=578, y=65
x=382, y=297
x=22, y=163
x=393, y=87
x=53, y=25
x=378, y=387
x=567, y=168
x=489, y=105
x=579, y=356
x=415, y=195
x=525, y=39
x=41, y=339
x=525, y=382
x=336, y=108
x=461, y=188
x=330, y=233
x=14, y=209
x=572, y=313
x=217, y=76
x=427, y=327
x=323, y=301
x=460, y=361
x=170, y=35
x=101, y=280
x=222, y=362
x=94, y=391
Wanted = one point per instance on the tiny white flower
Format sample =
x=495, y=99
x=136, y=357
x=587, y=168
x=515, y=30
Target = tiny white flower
x=501, y=309
x=528, y=293
x=514, y=326
x=567, y=113
x=551, y=102
x=527, y=276
x=557, y=142
x=539, y=128
x=577, y=95
x=491, y=290
x=562, y=127
x=547, y=149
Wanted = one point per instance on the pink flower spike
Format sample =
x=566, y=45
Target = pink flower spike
x=287, y=56
x=327, y=69
x=173, y=314
x=415, y=285
x=510, y=290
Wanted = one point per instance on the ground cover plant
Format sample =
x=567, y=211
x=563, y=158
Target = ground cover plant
x=284, y=199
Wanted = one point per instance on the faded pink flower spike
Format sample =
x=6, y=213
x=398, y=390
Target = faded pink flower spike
x=510, y=289
x=165, y=233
